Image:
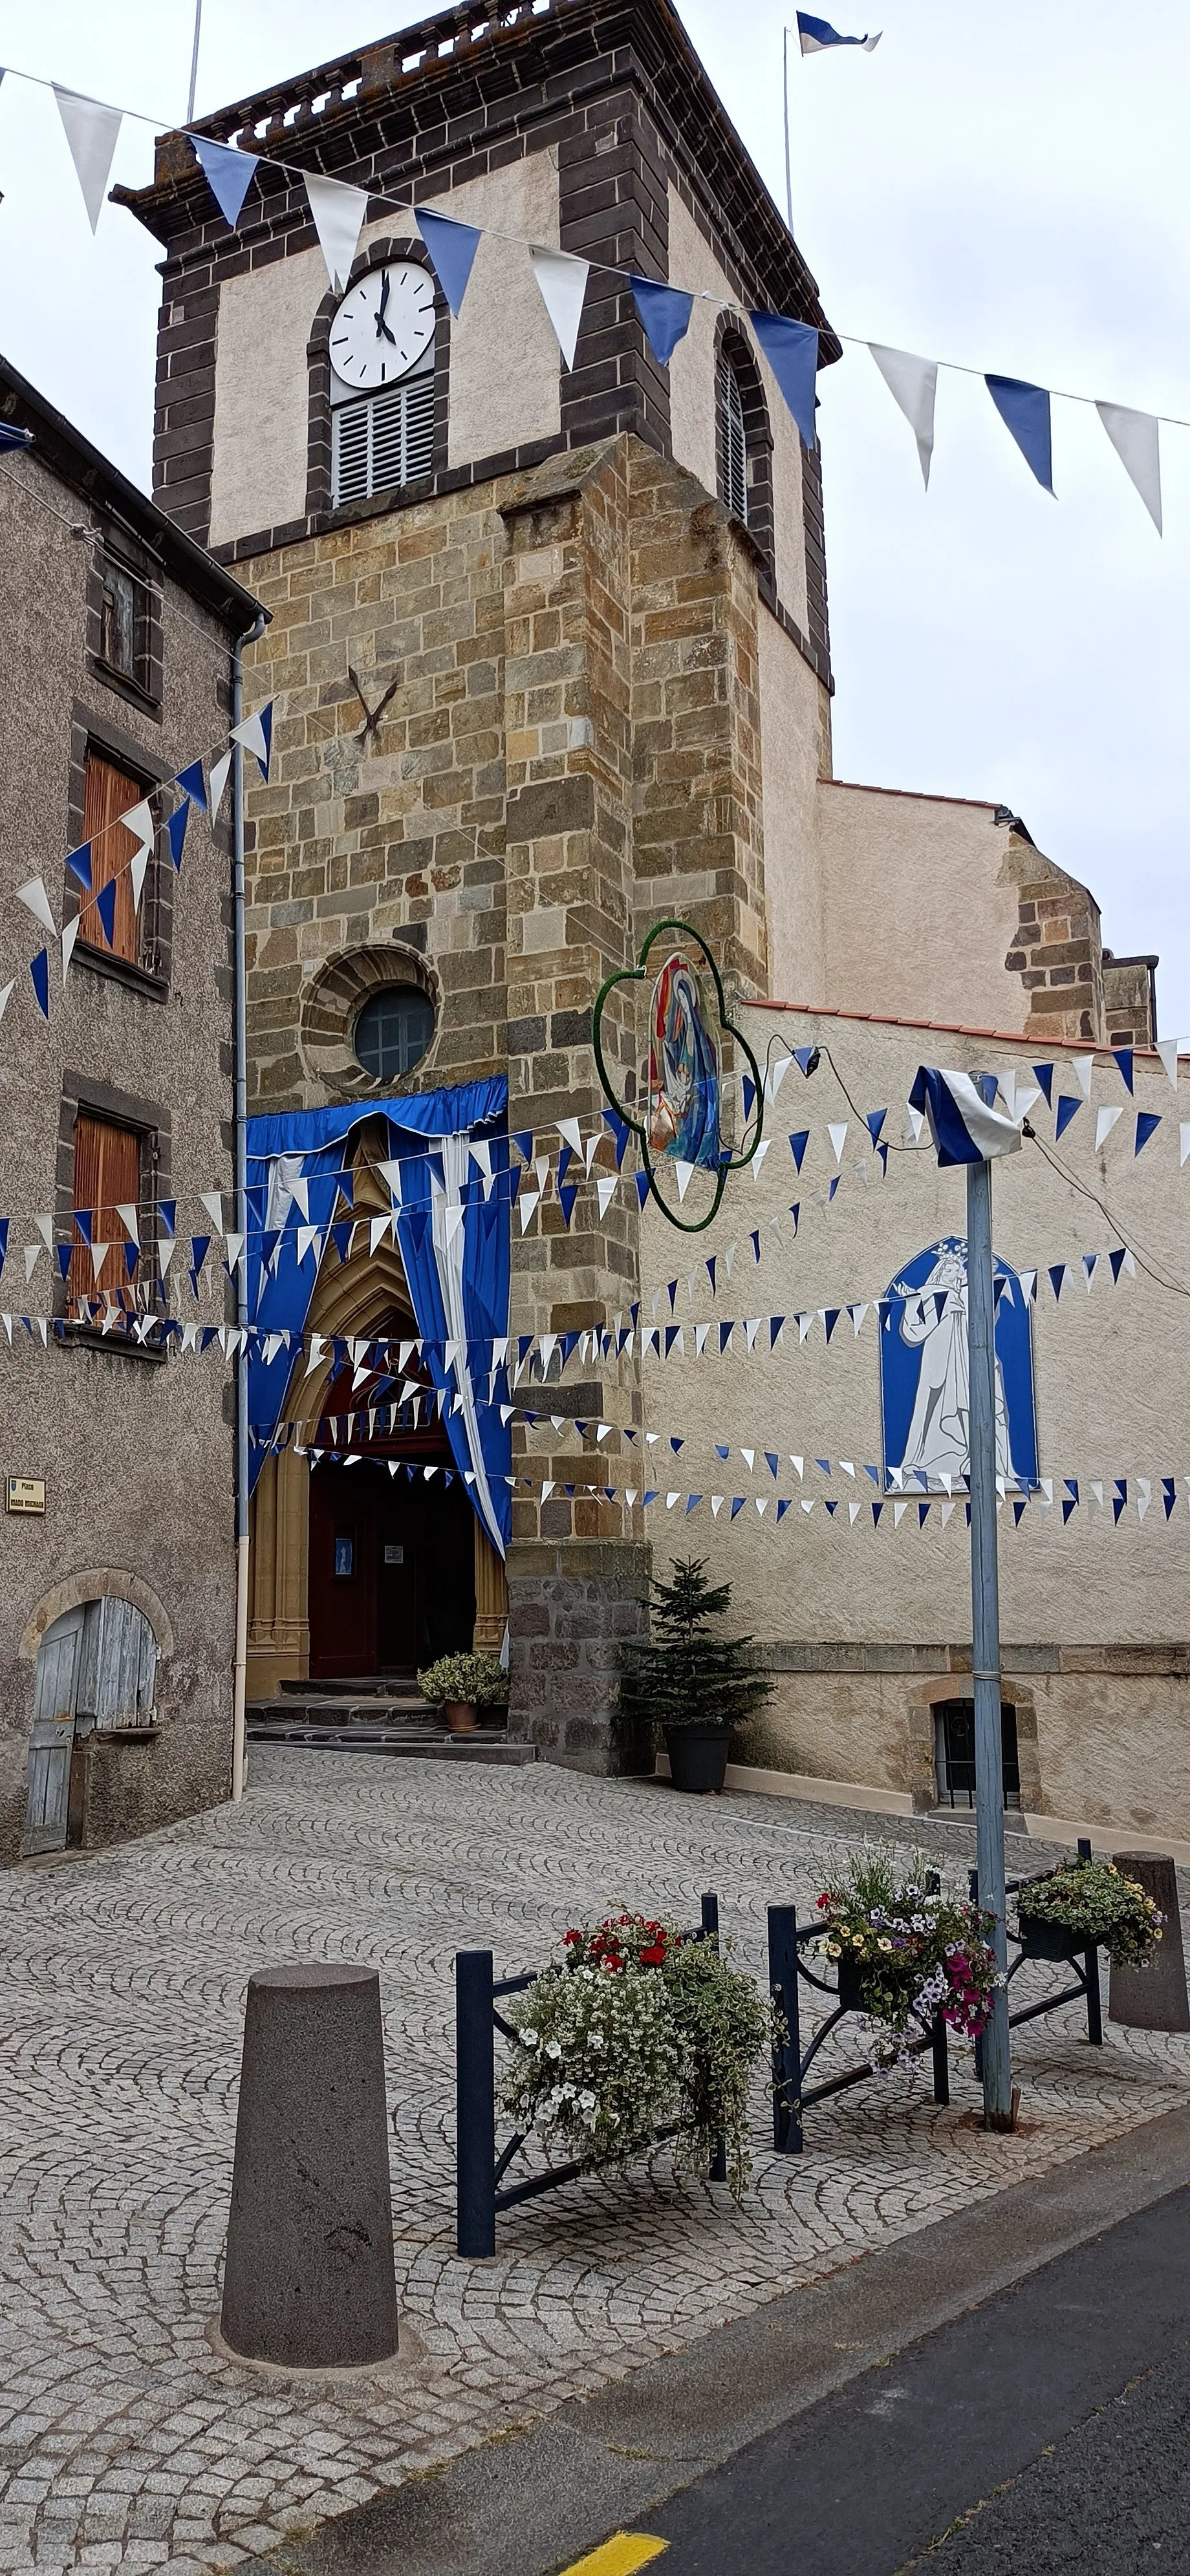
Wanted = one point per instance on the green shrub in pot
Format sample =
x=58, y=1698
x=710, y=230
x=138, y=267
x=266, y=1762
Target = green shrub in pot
x=688, y=1679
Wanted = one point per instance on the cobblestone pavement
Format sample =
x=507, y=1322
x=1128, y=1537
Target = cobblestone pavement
x=124, y=2442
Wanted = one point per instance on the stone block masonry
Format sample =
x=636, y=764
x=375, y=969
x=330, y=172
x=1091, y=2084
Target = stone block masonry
x=571, y=751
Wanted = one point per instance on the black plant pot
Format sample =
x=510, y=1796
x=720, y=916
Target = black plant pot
x=697, y=1757
x=850, y=1985
x=1046, y=1940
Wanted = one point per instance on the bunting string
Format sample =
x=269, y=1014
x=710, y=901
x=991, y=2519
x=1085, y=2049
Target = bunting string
x=791, y=347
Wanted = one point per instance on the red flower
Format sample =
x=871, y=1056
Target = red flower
x=823, y=1902
x=611, y=1963
x=571, y=1936
x=654, y=1958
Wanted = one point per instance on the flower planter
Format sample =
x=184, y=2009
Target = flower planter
x=850, y=1985
x=697, y=1757
x=460, y=1716
x=1047, y=1940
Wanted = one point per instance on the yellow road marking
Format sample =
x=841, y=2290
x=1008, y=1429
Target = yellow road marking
x=619, y=2556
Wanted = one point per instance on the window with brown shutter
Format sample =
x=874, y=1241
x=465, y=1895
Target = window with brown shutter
x=108, y=792
x=107, y=1176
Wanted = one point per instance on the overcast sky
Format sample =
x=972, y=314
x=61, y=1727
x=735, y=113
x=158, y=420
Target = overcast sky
x=1002, y=187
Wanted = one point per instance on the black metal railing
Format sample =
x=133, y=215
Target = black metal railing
x=480, y=2186
x=1086, y=1985
x=791, y=2065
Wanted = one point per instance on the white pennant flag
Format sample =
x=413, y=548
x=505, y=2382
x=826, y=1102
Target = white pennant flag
x=1134, y=436
x=1083, y=1067
x=139, y=821
x=562, y=281
x=129, y=1216
x=1105, y=1120
x=377, y=1229
x=137, y=874
x=1167, y=1049
x=33, y=895
x=605, y=1191
x=70, y=932
x=220, y=773
x=339, y=214
x=92, y=131
x=838, y=1137
x=913, y=384
x=1184, y=1140
x=683, y=1174
x=6, y=994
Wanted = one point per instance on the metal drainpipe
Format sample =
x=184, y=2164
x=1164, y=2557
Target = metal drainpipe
x=239, y=1700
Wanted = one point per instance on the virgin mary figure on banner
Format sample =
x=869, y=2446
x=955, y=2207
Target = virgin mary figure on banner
x=925, y=1375
x=683, y=1069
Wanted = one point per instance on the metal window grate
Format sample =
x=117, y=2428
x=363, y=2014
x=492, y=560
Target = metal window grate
x=734, y=443
x=383, y=441
x=954, y=1753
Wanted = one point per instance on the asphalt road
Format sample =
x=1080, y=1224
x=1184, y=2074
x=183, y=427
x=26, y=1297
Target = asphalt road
x=1048, y=2430
x=1006, y=2393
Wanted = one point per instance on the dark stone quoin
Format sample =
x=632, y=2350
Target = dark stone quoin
x=309, y=2283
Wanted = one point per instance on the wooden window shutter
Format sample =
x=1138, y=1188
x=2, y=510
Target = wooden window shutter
x=108, y=792
x=106, y=1176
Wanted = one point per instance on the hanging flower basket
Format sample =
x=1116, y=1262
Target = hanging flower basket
x=1088, y=1904
x=904, y=1952
x=638, y=2034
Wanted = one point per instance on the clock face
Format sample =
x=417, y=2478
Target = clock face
x=383, y=326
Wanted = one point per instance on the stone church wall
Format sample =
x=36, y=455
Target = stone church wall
x=863, y=1627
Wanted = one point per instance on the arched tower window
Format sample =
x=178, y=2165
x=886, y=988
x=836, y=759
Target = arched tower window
x=743, y=439
x=733, y=442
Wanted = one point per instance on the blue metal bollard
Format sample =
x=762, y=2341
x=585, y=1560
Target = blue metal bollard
x=787, y=2059
x=1091, y=1971
x=710, y=1925
x=475, y=2078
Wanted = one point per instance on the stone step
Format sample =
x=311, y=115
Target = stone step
x=424, y=1743
x=316, y=1708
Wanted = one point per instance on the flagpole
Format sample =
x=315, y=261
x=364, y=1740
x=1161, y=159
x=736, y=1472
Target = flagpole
x=785, y=92
x=985, y=1629
x=194, y=62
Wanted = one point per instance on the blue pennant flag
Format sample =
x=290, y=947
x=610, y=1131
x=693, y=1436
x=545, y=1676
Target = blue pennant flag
x=452, y=247
x=11, y=436
x=167, y=1213
x=176, y=828
x=792, y=352
x=1025, y=411
x=874, y=1122
x=39, y=968
x=1147, y=1123
x=1069, y=1105
x=816, y=36
x=192, y=784
x=82, y=1218
x=105, y=906
x=63, y=1255
x=1123, y=1056
x=665, y=315
x=1044, y=1074
x=79, y=863
x=3, y=1240
x=228, y=174
x=798, y=1144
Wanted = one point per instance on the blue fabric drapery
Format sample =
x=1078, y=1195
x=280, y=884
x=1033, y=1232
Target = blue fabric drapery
x=453, y=1243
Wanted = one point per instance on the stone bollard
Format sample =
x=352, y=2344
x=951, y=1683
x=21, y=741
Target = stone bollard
x=309, y=2282
x=1153, y=1998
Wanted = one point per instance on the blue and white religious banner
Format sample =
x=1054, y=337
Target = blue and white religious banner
x=965, y=1124
x=451, y=1230
x=817, y=36
x=925, y=1398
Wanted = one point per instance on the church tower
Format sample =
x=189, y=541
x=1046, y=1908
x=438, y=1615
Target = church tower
x=549, y=661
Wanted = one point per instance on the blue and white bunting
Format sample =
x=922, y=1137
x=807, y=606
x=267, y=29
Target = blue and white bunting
x=1025, y=412
x=965, y=1126
x=452, y=247
x=228, y=173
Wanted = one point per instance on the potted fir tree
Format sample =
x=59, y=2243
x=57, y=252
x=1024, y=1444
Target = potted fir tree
x=694, y=1684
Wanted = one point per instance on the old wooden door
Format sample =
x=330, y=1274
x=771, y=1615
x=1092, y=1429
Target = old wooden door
x=52, y=1740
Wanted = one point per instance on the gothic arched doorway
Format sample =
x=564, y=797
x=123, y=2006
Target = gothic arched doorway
x=390, y=1612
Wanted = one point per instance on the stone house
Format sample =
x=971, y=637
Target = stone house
x=117, y=1540
x=550, y=658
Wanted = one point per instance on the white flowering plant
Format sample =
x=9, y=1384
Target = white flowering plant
x=1094, y=1901
x=641, y=2034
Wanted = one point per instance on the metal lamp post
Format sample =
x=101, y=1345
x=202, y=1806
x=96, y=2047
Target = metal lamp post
x=985, y=1627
